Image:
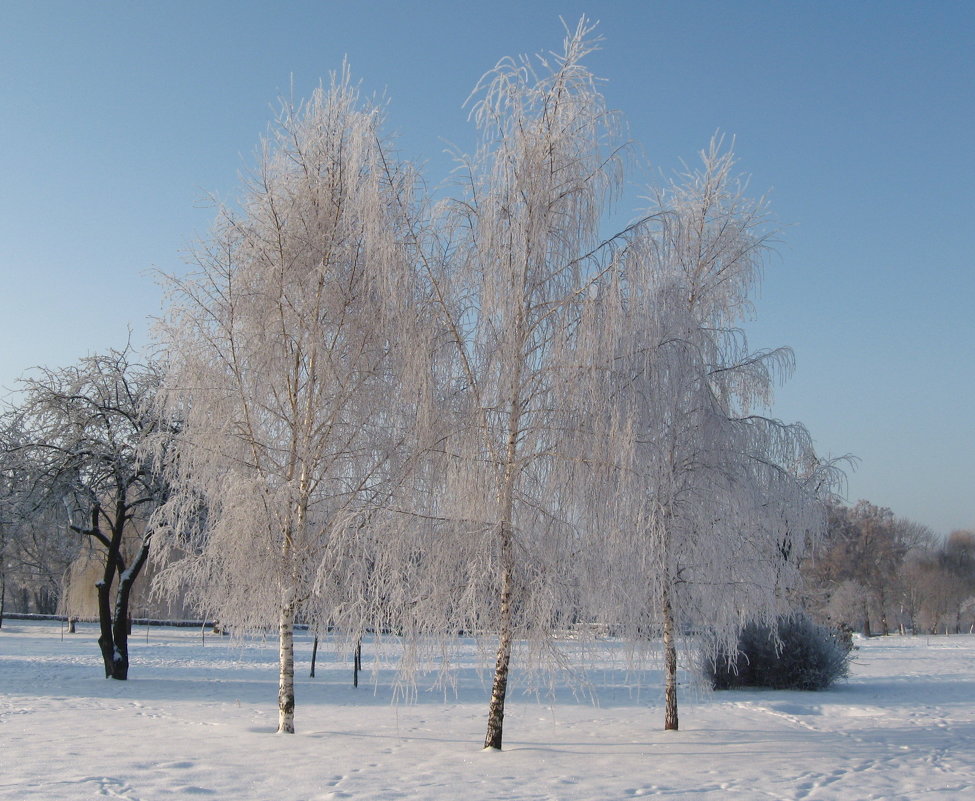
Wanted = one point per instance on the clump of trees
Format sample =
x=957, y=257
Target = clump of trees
x=483, y=414
x=34, y=553
x=877, y=573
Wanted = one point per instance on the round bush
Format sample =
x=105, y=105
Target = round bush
x=795, y=654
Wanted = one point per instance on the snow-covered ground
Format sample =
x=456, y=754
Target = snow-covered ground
x=196, y=721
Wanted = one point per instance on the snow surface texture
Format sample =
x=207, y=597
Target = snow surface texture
x=196, y=721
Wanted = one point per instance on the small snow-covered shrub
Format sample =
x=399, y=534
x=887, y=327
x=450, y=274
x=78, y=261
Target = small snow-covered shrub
x=796, y=654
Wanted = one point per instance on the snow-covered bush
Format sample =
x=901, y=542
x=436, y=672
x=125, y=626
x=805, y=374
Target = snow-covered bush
x=796, y=654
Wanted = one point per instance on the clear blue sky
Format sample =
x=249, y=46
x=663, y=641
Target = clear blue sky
x=118, y=119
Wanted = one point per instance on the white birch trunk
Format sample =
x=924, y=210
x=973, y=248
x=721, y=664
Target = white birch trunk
x=499, y=687
x=670, y=664
x=286, y=677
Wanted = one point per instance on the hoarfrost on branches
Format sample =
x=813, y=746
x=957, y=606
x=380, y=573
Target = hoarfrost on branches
x=522, y=248
x=712, y=504
x=281, y=351
x=80, y=434
x=484, y=417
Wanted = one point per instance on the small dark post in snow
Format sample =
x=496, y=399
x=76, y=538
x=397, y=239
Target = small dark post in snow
x=314, y=656
x=357, y=662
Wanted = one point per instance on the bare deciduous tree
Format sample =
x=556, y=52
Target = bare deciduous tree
x=279, y=347
x=866, y=545
x=523, y=248
x=714, y=502
x=576, y=413
x=81, y=430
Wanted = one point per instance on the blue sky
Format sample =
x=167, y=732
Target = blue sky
x=118, y=120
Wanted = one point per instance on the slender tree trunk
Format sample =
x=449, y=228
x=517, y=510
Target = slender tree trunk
x=357, y=662
x=314, y=656
x=286, y=680
x=286, y=627
x=499, y=687
x=3, y=594
x=884, y=627
x=670, y=663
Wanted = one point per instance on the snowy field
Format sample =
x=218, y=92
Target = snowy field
x=196, y=720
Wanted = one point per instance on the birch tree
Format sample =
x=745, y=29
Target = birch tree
x=280, y=345
x=715, y=502
x=575, y=412
x=81, y=431
x=523, y=245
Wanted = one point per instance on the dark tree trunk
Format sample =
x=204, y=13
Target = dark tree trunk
x=884, y=627
x=114, y=639
x=314, y=656
x=45, y=601
x=113, y=559
x=106, y=636
x=357, y=662
x=122, y=625
x=120, y=630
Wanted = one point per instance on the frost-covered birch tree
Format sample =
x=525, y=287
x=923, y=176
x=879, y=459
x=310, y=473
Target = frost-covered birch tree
x=280, y=346
x=523, y=248
x=715, y=502
x=496, y=419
